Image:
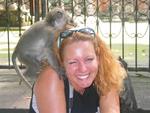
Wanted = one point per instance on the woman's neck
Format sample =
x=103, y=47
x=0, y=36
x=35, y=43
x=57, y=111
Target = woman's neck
x=78, y=89
x=81, y=91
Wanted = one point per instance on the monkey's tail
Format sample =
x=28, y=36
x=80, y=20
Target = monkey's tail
x=14, y=57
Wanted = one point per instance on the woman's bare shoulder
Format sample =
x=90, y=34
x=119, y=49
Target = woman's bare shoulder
x=48, y=77
x=48, y=89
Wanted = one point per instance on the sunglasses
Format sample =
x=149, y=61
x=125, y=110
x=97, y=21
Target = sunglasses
x=68, y=33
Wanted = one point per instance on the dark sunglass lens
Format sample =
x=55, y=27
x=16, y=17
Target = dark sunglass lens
x=65, y=34
x=87, y=31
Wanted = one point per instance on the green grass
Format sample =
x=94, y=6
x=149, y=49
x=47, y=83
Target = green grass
x=3, y=55
x=6, y=49
x=12, y=29
x=129, y=51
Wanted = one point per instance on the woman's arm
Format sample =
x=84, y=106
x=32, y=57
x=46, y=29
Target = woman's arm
x=49, y=91
x=110, y=102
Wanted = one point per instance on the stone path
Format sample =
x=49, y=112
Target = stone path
x=14, y=96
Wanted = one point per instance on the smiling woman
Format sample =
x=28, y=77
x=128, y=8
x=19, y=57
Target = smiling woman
x=93, y=48
x=80, y=64
x=89, y=64
x=90, y=68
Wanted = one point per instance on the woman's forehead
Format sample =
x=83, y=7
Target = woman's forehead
x=80, y=47
x=80, y=43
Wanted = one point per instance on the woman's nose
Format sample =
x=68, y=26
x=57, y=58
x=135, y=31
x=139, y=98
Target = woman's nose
x=82, y=67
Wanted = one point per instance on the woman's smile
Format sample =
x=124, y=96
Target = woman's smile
x=82, y=77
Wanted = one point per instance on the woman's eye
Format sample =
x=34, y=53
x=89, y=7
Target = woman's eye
x=72, y=62
x=90, y=59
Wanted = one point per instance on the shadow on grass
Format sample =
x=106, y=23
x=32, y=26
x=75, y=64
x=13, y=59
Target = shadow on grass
x=13, y=110
x=26, y=111
x=142, y=111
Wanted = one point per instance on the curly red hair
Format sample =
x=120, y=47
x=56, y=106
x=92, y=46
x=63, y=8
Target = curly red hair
x=110, y=73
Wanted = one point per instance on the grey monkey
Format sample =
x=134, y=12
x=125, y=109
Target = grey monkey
x=36, y=43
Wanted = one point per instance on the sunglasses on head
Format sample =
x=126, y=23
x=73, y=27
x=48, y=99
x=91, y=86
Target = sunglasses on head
x=68, y=33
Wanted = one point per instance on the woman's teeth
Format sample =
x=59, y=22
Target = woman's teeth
x=83, y=76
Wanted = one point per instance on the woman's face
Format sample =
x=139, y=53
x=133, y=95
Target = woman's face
x=80, y=63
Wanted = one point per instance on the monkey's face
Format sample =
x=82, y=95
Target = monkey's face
x=59, y=19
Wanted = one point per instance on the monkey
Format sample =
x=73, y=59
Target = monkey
x=36, y=43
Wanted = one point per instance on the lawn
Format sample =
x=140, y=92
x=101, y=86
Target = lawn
x=129, y=51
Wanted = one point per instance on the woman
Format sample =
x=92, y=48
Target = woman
x=93, y=73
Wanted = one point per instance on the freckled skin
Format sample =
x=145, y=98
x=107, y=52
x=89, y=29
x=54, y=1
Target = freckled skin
x=81, y=64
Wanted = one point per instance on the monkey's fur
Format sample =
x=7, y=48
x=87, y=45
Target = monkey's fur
x=36, y=43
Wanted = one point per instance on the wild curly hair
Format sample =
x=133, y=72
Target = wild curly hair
x=110, y=72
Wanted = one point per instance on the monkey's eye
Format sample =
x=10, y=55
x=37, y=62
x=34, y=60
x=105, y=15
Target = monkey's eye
x=59, y=14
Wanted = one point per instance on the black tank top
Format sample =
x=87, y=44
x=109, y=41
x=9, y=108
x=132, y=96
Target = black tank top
x=86, y=103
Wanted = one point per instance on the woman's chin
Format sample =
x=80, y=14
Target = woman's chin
x=85, y=84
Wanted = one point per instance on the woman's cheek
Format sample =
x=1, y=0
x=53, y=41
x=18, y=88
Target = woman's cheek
x=70, y=70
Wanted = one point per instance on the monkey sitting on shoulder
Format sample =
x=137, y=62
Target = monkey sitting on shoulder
x=36, y=43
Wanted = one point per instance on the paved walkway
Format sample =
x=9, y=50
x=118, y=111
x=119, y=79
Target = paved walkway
x=14, y=96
